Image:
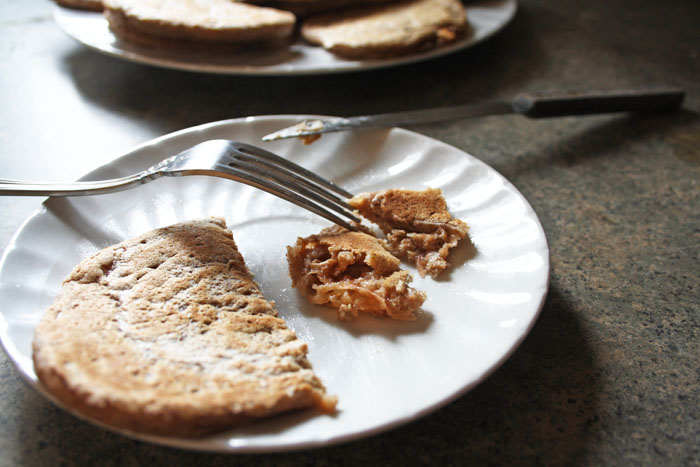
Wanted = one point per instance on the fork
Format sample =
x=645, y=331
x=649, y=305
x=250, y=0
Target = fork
x=232, y=160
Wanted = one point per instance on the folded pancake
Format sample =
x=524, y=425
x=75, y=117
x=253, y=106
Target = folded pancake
x=385, y=31
x=352, y=272
x=417, y=225
x=199, y=23
x=168, y=334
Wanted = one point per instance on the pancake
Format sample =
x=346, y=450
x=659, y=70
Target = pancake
x=168, y=334
x=199, y=23
x=386, y=31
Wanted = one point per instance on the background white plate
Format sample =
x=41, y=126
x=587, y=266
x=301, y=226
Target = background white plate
x=91, y=29
x=384, y=372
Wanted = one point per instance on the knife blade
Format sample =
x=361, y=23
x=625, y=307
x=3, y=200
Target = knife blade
x=531, y=105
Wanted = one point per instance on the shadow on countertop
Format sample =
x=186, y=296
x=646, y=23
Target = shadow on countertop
x=541, y=407
x=600, y=137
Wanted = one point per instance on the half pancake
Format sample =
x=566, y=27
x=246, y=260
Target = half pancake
x=168, y=334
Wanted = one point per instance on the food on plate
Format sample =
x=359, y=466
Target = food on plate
x=417, y=225
x=385, y=31
x=352, y=272
x=199, y=23
x=307, y=7
x=90, y=5
x=351, y=29
x=168, y=334
x=309, y=139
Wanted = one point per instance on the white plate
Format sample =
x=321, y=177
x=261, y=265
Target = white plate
x=384, y=372
x=91, y=29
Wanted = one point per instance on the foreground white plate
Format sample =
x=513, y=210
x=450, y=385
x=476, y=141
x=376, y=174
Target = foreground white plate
x=91, y=29
x=384, y=372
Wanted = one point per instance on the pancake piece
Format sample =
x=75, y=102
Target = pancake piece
x=417, y=225
x=168, y=334
x=90, y=5
x=389, y=30
x=352, y=272
x=198, y=23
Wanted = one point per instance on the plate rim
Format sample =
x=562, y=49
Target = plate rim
x=195, y=444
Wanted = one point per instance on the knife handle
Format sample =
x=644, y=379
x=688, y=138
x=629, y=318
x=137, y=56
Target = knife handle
x=535, y=105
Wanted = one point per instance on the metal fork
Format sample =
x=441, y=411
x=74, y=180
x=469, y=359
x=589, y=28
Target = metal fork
x=219, y=158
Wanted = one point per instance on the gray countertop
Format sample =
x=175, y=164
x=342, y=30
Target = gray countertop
x=608, y=375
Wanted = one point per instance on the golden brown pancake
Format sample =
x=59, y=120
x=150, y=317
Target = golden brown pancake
x=191, y=23
x=388, y=30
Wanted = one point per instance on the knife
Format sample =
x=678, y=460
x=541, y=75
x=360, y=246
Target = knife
x=532, y=105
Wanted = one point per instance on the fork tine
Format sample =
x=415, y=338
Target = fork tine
x=288, y=180
x=274, y=188
x=267, y=164
x=275, y=180
x=264, y=155
x=266, y=167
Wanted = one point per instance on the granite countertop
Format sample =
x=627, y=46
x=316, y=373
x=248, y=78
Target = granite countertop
x=610, y=373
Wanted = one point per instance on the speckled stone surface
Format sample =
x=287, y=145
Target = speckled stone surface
x=610, y=374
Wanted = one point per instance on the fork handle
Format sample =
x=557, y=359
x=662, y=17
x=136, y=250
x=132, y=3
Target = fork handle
x=26, y=188
x=535, y=105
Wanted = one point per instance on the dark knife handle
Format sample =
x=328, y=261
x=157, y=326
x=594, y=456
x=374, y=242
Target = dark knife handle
x=589, y=102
